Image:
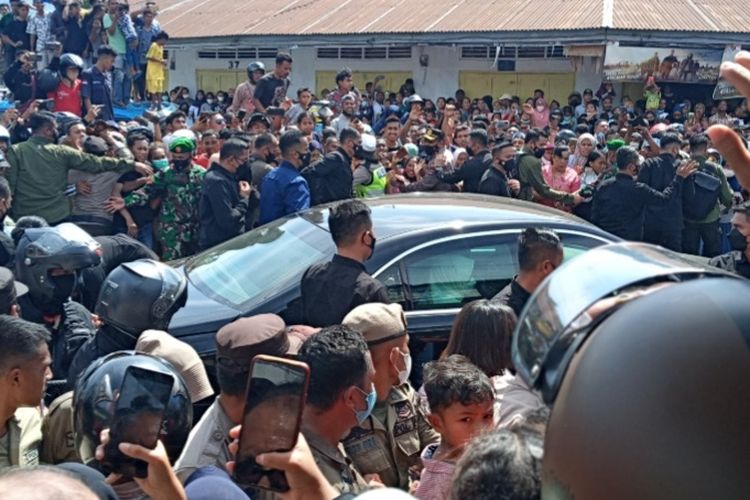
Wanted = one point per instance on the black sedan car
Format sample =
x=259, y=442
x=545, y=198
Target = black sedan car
x=434, y=253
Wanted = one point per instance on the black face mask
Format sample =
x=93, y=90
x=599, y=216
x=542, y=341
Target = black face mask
x=737, y=241
x=371, y=245
x=305, y=159
x=64, y=286
x=509, y=165
x=181, y=164
x=429, y=150
x=270, y=158
x=539, y=153
x=470, y=151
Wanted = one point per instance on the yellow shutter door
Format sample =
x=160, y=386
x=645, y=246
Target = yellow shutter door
x=476, y=83
x=213, y=80
x=480, y=83
x=326, y=80
x=559, y=86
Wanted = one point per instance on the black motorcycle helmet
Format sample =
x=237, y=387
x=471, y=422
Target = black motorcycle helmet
x=69, y=61
x=42, y=250
x=96, y=392
x=643, y=356
x=253, y=67
x=141, y=295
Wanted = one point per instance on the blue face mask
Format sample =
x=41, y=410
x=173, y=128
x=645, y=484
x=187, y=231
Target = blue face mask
x=371, y=399
x=160, y=164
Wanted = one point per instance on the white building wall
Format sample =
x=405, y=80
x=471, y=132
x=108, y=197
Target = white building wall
x=440, y=78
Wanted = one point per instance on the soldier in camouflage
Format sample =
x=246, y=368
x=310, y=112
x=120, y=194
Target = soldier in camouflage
x=179, y=189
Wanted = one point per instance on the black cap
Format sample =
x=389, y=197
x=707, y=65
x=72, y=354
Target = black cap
x=258, y=117
x=95, y=145
x=10, y=290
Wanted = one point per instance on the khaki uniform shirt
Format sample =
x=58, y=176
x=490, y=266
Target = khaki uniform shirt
x=23, y=436
x=207, y=444
x=58, y=438
x=390, y=448
x=337, y=468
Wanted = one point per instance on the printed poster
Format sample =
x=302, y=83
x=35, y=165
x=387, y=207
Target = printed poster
x=636, y=64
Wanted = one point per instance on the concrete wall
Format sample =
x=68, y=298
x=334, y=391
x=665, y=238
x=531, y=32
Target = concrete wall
x=440, y=78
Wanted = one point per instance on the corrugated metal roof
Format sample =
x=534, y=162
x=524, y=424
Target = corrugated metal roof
x=211, y=18
x=727, y=16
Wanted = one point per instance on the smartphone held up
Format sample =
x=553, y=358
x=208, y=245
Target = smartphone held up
x=138, y=418
x=275, y=399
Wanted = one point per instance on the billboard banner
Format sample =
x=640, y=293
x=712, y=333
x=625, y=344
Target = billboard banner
x=636, y=64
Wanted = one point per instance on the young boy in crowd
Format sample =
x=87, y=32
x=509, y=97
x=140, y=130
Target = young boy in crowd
x=461, y=399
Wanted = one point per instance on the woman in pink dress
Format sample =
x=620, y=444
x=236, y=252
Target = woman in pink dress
x=560, y=177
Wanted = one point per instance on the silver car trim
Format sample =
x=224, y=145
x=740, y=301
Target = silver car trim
x=476, y=235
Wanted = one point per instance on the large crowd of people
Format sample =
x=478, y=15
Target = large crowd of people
x=92, y=207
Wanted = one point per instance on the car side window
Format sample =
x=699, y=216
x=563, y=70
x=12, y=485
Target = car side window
x=391, y=278
x=576, y=244
x=450, y=274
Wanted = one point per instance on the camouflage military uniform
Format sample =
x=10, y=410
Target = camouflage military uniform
x=179, y=192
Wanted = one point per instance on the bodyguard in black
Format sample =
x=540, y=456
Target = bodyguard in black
x=620, y=202
x=332, y=289
x=224, y=200
x=495, y=180
x=664, y=221
x=332, y=178
x=540, y=252
x=473, y=170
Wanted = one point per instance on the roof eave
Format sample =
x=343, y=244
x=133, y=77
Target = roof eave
x=572, y=36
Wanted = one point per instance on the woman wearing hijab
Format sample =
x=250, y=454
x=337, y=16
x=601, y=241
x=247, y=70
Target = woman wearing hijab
x=584, y=147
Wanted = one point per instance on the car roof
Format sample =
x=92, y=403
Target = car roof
x=393, y=215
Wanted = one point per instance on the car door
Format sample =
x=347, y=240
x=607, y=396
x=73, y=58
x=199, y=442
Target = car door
x=434, y=280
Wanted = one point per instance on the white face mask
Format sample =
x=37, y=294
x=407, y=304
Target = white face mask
x=403, y=375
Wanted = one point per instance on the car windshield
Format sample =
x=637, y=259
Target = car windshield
x=262, y=263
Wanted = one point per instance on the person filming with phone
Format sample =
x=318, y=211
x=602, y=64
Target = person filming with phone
x=21, y=78
x=236, y=345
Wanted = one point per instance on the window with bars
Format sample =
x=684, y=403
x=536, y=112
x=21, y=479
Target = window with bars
x=243, y=53
x=512, y=52
x=351, y=52
x=364, y=52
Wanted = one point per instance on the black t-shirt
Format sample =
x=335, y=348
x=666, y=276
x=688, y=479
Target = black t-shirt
x=76, y=40
x=142, y=214
x=16, y=31
x=270, y=90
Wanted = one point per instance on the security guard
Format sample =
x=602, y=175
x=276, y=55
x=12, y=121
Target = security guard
x=236, y=345
x=370, y=177
x=23, y=436
x=738, y=260
x=388, y=443
x=332, y=289
x=21, y=389
x=58, y=438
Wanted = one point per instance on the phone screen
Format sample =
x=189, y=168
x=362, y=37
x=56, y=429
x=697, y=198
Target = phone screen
x=273, y=408
x=138, y=417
